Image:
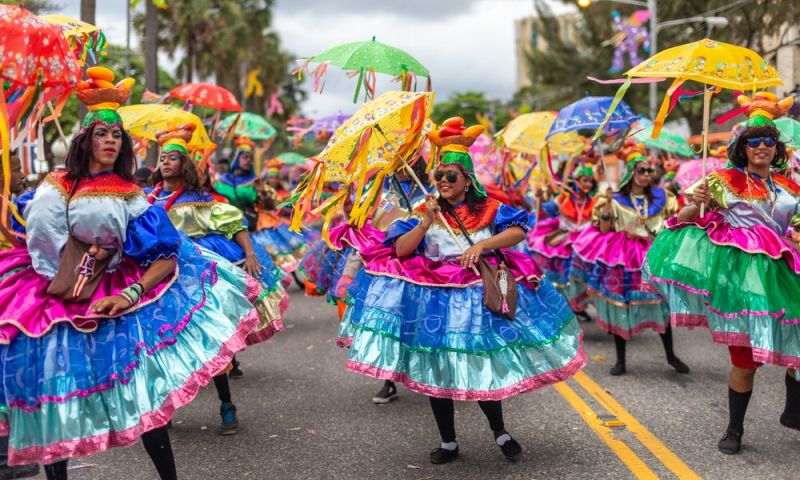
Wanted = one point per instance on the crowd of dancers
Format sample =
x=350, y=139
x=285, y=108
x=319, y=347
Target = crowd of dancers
x=119, y=303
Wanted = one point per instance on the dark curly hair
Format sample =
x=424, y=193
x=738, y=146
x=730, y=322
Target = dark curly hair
x=188, y=173
x=739, y=147
x=648, y=189
x=80, y=154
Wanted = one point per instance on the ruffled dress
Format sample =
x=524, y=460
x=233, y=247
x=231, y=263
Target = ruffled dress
x=332, y=268
x=75, y=383
x=572, y=219
x=609, y=266
x=286, y=248
x=212, y=226
x=735, y=271
x=420, y=321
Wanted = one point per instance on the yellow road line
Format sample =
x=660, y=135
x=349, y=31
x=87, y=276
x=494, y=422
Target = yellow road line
x=658, y=449
x=628, y=457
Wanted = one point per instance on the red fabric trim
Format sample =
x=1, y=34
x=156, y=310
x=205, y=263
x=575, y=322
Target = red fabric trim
x=108, y=183
x=483, y=218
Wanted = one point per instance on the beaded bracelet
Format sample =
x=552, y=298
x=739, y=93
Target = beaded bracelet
x=139, y=288
x=131, y=294
x=126, y=297
x=605, y=217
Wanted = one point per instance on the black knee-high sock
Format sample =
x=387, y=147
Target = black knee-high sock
x=666, y=339
x=493, y=409
x=223, y=388
x=620, y=342
x=234, y=361
x=737, y=405
x=56, y=471
x=156, y=443
x=444, y=412
x=791, y=412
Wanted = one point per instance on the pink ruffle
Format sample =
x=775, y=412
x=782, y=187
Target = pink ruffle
x=24, y=297
x=538, y=245
x=614, y=249
x=265, y=333
x=358, y=238
x=148, y=421
x=525, y=386
x=380, y=260
x=756, y=239
x=627, y=334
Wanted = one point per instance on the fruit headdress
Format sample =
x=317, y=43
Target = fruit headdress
x=102, y=97
x=454, y=141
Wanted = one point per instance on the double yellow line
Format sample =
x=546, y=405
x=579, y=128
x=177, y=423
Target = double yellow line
x=620, y=448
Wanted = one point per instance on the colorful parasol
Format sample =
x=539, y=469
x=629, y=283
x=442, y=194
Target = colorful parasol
x=588, y=114
x=667, y=141
x=85, y=39
x=375, y=141
x=145, y=120
x=207, y=95
x=527, y=133
x=691, y=171
x=250, y=125
x=365, y=59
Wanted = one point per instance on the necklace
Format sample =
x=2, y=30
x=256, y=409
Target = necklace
x=579, y=207
x=165, y=197
x=771, y=201
x=641, y=214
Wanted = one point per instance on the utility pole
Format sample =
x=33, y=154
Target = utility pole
x=151, y=61
x=88, y=14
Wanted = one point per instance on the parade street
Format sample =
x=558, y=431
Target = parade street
x=304, y=417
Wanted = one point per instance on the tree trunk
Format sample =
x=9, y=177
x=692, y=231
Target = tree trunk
x=88, y=10
x=151, y=62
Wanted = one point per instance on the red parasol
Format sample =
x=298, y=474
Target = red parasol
x=207, y=95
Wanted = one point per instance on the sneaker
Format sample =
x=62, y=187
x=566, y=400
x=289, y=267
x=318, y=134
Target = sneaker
x=386, y=395
x=679, y=366
x=230, y=421
x=731, y=443
x=235, y=372
x=443, y=455
x=21, y=471
x=511, y=449
x=617, y=369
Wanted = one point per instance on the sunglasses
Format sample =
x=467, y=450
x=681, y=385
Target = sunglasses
x=643, y=170
x=451, y=177
x=769, y=142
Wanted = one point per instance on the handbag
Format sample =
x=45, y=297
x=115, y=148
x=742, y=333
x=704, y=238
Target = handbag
x=77, y=264
x=499, y=284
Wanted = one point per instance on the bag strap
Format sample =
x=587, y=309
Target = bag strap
x=452, y=211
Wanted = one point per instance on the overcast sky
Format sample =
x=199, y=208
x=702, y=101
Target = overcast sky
x=466, y=44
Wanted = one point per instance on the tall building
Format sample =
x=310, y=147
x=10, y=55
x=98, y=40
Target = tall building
x=528, y=33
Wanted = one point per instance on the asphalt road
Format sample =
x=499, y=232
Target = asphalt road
x=304, y=417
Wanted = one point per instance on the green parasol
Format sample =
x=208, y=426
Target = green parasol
x=249, y=124
x=365, y=59
x=667, y=141
x=292, y=158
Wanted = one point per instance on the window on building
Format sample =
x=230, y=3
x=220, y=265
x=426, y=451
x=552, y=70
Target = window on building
x=534, y=35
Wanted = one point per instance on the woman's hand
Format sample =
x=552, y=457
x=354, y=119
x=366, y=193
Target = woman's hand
x=432, y=208
x=702, y=195
x=100, y=253
x=609, y=195
x=471, y=255
x=796, y=236
x=258, y=184
x=116, y=303
x=252, y=266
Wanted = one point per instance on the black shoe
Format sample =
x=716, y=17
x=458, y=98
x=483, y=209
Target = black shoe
x=230, y=421
x=235, y=372
x=21, y=471
x=583, y=317
x=617, y=369
x=511, y=449
x=790, y=418
x=386, y=395
x=679, y=366
x=731, y=443
x=169, y=425
x=443, y=455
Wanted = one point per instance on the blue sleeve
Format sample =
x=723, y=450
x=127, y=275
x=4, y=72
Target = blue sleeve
x=400, y=228
x=22, y=202
x=551, y=208
x=509, y=217
x=151, y=236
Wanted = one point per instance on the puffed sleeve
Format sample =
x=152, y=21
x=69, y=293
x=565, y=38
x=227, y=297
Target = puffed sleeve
x=671, y=209
x=509, y=217
x=22, y=203
x=551, y=208
x=151, y=236
x=795, y=221
x=226, y=220
x=716, y=189
x=400, y=228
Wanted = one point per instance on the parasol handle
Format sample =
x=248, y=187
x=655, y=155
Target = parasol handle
x=706, y=115
x=58, y=126
x=441, y=215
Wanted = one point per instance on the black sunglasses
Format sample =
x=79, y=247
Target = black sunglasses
x=769, y=142
x=451, y=177
x=643, y=170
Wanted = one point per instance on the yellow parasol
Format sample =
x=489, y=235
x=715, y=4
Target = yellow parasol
x=377, y=140
x=709, y=62
x=83, y=37
x=527, y=134
x=145, y=120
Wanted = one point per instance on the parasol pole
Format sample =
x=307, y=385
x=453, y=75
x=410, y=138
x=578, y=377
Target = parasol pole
x=58, y=126
x=706, y=115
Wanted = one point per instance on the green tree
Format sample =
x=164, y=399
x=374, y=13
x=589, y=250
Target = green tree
x=37, y=7
x=469, y=105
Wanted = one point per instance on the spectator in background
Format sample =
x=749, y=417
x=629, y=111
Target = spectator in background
x=222, y=166
x=142, y=177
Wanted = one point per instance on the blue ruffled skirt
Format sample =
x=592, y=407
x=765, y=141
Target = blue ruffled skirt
x=271, y=277
x=286, y=248
x=71, y=394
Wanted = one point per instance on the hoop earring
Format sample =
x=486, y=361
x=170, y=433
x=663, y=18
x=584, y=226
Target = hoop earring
x=466, y=189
